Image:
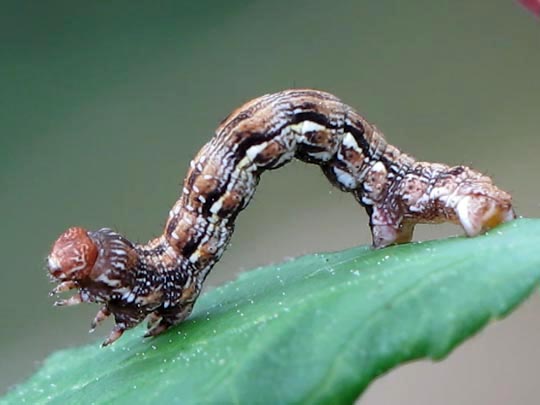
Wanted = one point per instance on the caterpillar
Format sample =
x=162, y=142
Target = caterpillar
x=161, y=280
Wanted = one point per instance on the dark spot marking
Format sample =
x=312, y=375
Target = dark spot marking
x=190, y=247
x=173, y=223
x=357, y=131
x=304, y=152
x=456, y=171
x=312, y=116
x=249, y=140
x=211, y=198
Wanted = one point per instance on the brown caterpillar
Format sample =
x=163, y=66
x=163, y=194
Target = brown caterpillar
x=163, y=278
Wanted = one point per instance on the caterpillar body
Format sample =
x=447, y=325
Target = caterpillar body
x=162, y=279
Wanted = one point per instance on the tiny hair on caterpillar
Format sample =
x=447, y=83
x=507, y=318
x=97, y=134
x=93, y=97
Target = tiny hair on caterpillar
x=161, y=280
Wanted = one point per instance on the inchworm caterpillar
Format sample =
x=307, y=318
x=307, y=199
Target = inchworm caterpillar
x=163, y=278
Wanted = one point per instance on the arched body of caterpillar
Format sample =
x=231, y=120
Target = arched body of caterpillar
x=163, y=278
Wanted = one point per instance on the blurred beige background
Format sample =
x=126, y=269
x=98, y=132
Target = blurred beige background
x=104, y=104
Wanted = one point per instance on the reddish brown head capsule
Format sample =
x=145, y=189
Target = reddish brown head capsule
x=73, y=255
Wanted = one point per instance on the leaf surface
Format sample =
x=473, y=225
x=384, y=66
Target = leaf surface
x=317, y=329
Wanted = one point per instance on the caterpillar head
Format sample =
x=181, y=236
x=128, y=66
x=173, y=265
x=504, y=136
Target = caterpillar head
x=98, y=264
x=73, y=255
x=82, y=256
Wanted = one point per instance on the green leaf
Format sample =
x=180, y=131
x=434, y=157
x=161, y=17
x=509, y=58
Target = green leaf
x=317, y=329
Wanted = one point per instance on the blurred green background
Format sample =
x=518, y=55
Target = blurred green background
x=103, y=104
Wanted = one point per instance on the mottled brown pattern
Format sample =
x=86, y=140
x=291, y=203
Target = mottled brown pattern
x=163, y=278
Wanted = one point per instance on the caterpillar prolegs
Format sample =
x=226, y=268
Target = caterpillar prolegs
x=162, y=279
